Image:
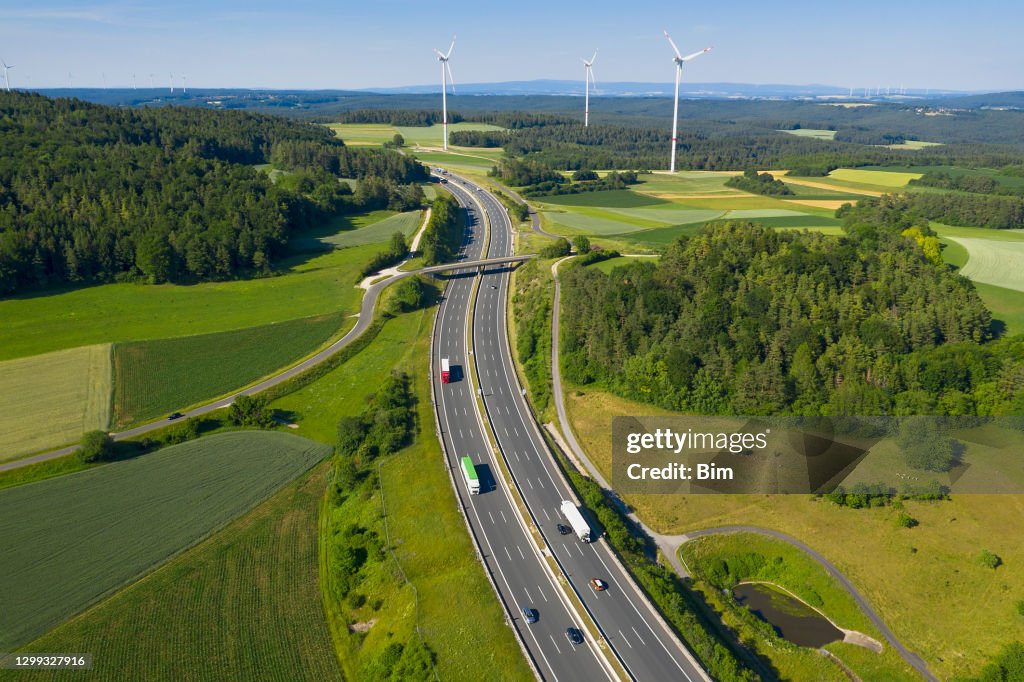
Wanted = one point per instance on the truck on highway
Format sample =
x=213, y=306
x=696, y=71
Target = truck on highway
x=469, y=473
x=446, y=371
x=576, y=520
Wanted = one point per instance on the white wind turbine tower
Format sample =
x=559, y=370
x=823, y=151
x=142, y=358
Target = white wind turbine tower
x=151, y=81
x=678, y=59
x=7, y=79
x=446, y=75
x=183, y=88
x=170, y=78
x=587, y=78
x=133, y=82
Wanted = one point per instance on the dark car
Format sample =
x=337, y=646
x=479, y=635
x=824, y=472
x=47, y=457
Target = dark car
x=529, y=614
x=574, y=636
x=563, y=529
x=175, y=415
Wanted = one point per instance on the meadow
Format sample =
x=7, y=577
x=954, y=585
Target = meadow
x=1000, y=263
x=816, y=133
x=154, y=377
x=455, y=602
x=67, y=542
x=788, y=567
x=904, y=573
x=371, y=228
x=304, y=286
x=52, y=399
x=249, y=593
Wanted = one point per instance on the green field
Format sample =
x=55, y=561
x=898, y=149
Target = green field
x=791, y=569
x=461, y=159
x=455, y=599
x=52, y=399
x=607, y=266
x=817, y=134
x=1007, y=305
x=1000, y=263
x=306, y=286
x=371, y=228
x=925, y=582
x=617, y=198
x=685, y=183
x=69, y=541
x=249, y=593
x=152, y=378
x=379, y=133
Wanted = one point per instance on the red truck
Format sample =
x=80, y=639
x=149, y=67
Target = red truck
x=446, y=373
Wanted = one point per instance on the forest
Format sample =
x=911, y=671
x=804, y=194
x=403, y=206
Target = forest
x=741, y=319
x=92, y=193
x=759, y=183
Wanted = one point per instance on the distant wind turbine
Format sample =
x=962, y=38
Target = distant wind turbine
x=183, y=88
x=133, y=82
x=446, y=75
x=588, y=76
x=151, y=86
x=171, y=79
x=71, y=80
x=7, y=79
x=678, y=59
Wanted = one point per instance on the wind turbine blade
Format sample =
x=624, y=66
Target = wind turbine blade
x=673, y=45
x=440, y=55
x=593, y=78
x=450, y=78
x=594, y=58
x=450, y=48
x=696, y=54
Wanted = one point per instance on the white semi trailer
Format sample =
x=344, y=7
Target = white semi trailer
x=576, y=520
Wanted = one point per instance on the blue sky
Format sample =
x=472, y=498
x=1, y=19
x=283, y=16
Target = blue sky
x=340, y=44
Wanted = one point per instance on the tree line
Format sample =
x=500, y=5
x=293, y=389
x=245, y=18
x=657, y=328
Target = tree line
x=759, y=183
x=94, y=193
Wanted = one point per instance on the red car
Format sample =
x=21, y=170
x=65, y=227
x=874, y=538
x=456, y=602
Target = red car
x=598, y=584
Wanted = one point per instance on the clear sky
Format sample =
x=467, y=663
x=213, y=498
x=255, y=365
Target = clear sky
x=938, y=44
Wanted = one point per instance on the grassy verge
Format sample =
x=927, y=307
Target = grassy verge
x=155, y=377
x=427, y=543
x=42, y=471
x=91, y=532
x=719, y=562
x=533, y=289
x=249, y=593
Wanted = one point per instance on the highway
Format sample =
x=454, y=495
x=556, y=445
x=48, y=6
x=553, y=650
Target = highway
x=508, y=550
x=639, y=637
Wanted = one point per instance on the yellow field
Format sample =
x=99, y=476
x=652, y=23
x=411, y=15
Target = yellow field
x=926, y=582
x=872, y=177
x=52, y=399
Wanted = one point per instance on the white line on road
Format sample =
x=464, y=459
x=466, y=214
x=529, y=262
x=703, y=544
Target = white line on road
x=625, y=640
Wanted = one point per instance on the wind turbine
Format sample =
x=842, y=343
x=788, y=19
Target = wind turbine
x=678, y=59
x=171, y=79
x=7, y=80
x=183, y=88
x=446, y=74
x=133, y=82
x=588, y=76
x=151, y=81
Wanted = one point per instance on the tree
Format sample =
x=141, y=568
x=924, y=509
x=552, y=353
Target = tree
x=351, y=434
x=250, y=410
x=96, y=446
x=581, y=243
x=398, y=245
x=556, y=249
x=925, y=445
x=990, y=560
x=398, y=140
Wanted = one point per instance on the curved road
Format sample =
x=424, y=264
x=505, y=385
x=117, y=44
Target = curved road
x=669, y=544
x=367, y=306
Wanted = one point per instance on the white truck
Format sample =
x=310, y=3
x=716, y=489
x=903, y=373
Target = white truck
x=470, y=475
x=576, y=520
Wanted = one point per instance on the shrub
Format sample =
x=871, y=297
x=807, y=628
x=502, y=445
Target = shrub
x=96, y=446
x=990, y=560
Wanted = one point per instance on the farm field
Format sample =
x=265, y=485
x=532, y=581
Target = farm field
x=379, y=133
x=797, y=573
x=306, y=286
x=437, y=558
x=67, y=542
x=1000, y=263
x=52, y=399
x=250, y=593
x=152, y=378
x=461, y=159
x=371, y=228
x=903, y=573
x=816, y=133
x=645, y=218
x=607, y=266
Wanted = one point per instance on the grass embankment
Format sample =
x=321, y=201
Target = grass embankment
x=306, y=286
x=118, y=521
x=460, y=621
x=154, y=377
x=926, y=582
x=243, y=605
x=52, y=399
x=719, y=562
x=370, y=228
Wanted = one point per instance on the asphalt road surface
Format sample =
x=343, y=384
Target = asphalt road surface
x=646, y=647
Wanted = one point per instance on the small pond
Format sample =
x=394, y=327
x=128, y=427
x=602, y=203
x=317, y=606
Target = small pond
x=793, y=620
